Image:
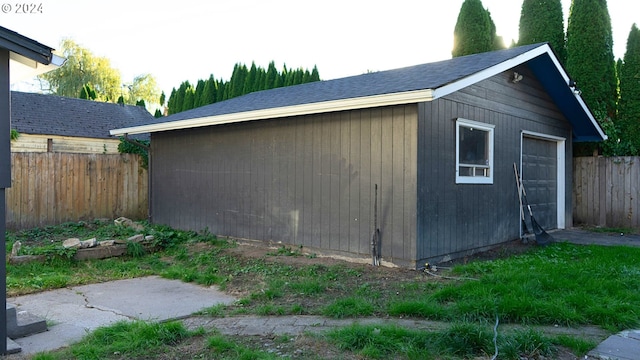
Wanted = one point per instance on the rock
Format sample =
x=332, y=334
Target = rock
x=123, y=221
x=149, y=238
x=88, y=243
x=15, y=250
x=107, y=243
x=24, y=259
x=136, y=238
x=71, y=243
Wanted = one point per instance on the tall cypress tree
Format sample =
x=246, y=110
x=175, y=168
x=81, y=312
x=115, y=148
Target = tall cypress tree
x=209, y=93
x=543, y=21
x=242, y=81
x=474, y=32
x=590, y=60
x=189, y=98
x=198, y=94
x=628, y=119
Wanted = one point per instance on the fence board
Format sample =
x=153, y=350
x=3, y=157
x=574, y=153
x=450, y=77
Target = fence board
x=52, y=188
x=605, y=191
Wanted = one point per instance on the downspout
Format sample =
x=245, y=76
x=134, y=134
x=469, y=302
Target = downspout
x=149, y=192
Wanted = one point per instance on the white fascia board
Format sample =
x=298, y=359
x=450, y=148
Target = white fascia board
x=497, y=69
x=286, y=111
x=23, y=68
x=591, y=118
x=511, y=63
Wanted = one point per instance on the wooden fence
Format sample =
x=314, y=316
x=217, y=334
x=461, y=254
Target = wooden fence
x=52, y=188
x=605, y=191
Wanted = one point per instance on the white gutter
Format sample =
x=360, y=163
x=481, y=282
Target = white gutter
x=286, y=111
x=23, y=68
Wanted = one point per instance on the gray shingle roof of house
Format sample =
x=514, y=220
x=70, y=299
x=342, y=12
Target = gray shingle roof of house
x=56, y=115
x=419, y=77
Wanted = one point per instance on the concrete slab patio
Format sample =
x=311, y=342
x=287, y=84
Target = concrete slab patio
x=73, y=312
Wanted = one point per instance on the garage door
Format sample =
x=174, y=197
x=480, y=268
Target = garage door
x=540, y=179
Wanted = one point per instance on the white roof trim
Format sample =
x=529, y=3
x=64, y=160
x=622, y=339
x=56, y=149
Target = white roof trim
x=498, y=68
x=509, y=64
x=365, y=102
x=23, y=68
x=280, y=112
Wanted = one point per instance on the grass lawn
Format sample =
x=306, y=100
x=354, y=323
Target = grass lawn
x=557, y=285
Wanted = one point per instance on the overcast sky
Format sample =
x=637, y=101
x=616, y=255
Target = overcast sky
x=190, y=39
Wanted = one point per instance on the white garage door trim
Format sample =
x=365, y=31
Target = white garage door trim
x=560, y=157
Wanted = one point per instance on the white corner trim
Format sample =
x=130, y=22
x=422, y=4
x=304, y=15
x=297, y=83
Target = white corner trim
x=407, y=97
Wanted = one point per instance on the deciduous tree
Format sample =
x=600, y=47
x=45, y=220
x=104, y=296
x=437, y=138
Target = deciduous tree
x=80, y=69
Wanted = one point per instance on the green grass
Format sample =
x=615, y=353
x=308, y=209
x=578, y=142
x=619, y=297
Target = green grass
x=560, y=284
x=124, y=339
x=460, y=341
x=226, y=349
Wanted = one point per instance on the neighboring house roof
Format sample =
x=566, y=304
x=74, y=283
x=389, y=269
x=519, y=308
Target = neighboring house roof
x=56, y=115
x=413, y=84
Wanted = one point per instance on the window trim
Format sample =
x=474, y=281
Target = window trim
x=489, y=128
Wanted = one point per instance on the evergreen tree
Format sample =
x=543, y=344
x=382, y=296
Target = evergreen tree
x=543, y=21
x=162, y=98
x=590, y=60
x=629, y=106
x=270, y=78
x=189, y=98
x=497, y=41
x=209, y=93
x=250, y=80
x=237, y=80
x=242, y=81
x=198, y=99
x=315, y=75
x=171, y=104
x=158, y=114
x=474, y=31
x=141, y=103
x=87, y=92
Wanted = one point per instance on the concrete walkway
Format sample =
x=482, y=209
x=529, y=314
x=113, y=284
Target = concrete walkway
x=73, y=312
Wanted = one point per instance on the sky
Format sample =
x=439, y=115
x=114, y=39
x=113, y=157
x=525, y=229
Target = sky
x=190, y=39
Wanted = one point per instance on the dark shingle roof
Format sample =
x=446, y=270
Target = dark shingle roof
x=419, y=77
x=415, y=83
x=56, y=115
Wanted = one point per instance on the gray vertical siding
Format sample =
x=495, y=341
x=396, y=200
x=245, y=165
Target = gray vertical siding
x=302, y=181
x=457, y=219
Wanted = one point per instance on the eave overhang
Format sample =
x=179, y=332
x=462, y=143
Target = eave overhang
x=286, y=111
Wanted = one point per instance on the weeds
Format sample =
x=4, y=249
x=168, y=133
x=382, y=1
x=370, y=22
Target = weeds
x=286, y=251
x=126, y=340
x=462, y=340
x=560, y=284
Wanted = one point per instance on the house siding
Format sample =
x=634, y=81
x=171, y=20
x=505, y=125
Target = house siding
x=459, y=219
x=305, y=180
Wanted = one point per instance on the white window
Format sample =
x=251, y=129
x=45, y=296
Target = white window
x=474, y=152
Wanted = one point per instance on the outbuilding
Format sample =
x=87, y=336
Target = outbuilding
x=425, y=154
